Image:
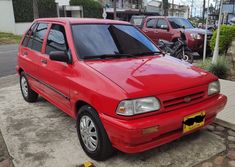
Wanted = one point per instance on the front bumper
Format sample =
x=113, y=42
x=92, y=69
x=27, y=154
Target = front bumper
x=127, y=135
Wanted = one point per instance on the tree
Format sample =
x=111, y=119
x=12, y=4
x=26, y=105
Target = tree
x=35, y=9
x=165, y=7
x=114, y=9
x=91, y=8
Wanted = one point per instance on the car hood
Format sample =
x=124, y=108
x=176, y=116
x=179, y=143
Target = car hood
x=151, y=75
x=199, y=31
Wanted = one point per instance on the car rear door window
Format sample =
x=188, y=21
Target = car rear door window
x=38, y=36
x=57, y=39
x=161, y=22
x=151, y=23
x=28, y=34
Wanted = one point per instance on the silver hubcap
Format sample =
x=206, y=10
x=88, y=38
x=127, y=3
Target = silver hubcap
x=88, y=133
x=24, y=86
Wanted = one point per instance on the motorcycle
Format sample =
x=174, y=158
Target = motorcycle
x=178, y=49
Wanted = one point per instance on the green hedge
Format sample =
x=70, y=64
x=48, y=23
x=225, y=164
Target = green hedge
x=227, y=33
x=47, y=8
x=220, y=69
x=23, y=9
x=91, y=8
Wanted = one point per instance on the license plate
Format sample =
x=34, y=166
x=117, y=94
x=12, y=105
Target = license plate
x=194, y=121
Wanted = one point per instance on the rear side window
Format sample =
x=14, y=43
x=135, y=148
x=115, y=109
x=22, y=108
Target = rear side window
x=38, y=36
x=151, y=23
x=27, y=35
x=137, y=21
x=57, y=39
x=161, y=22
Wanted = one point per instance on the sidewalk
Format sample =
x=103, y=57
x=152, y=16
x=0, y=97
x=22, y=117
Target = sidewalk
x=228, y=114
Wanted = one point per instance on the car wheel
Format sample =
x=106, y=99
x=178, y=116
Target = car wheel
x=28, y=94
x=92, y=135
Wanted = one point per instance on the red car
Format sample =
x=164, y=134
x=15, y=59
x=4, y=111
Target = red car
x=115, y=82
x=168, y=28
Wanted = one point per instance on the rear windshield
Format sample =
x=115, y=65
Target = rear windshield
x=92, y=40
x=180, y=23
x=137, y=21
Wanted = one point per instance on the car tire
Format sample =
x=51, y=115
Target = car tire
x=28, y=94
x=92, y=135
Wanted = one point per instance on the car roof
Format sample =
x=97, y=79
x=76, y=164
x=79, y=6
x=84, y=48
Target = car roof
x=153, y=17
x=71, y=20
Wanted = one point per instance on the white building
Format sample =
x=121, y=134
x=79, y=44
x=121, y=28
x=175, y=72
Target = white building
x=7, y=18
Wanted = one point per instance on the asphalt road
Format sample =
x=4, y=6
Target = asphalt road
x=8, y=55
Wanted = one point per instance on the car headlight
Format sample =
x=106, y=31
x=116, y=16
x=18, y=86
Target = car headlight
x=195, y=36
x=213, y=88
x=138, y=106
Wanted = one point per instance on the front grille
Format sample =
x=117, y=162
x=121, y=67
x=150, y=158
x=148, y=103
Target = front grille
x=182, y=101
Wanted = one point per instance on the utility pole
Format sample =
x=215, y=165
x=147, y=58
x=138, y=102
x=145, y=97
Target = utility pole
x=35, y=9
x=205, y=37
x=114, y=9
x=172, y=7
x=204, y=9
x=216, y=49
x=192, y=4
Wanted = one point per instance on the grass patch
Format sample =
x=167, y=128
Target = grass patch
x=220, y=69
x=9, y=38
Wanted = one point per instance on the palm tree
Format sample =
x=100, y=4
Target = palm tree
x=165, y=7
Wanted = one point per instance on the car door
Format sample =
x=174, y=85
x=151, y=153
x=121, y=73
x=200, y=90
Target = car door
x=163, y=30
x=150, y=29
x=54, y=74
x=29, y=59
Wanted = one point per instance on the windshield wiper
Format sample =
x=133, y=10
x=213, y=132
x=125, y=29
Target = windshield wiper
x=147, y=53
x=104, y=56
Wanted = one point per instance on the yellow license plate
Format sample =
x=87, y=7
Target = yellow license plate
x=194, y=121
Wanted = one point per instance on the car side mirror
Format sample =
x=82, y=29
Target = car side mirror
x=60, y=56
x=165, y=27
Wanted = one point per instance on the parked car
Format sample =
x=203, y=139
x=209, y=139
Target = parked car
x=169, y=28
x=108, y=76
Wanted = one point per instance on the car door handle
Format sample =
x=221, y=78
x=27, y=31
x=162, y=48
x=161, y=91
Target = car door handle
x=43, y=61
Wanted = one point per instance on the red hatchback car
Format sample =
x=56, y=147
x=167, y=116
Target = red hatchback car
x=115, y=82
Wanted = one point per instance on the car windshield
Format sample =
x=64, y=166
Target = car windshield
x=102, y=41
x=180, y=23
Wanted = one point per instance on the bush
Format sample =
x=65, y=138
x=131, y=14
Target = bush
x=91, y=8
x=220, y=69
x=47, y=8
x=23, y=9
x=227, y=33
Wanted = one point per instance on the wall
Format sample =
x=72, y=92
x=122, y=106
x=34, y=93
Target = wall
x=231, y=56
x=20, y=28
x=7, y=16
x=62, y=2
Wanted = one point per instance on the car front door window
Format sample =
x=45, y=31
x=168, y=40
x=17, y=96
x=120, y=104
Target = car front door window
x=57, y=39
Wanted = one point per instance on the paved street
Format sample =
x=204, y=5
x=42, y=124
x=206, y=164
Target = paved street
x=8, y=55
